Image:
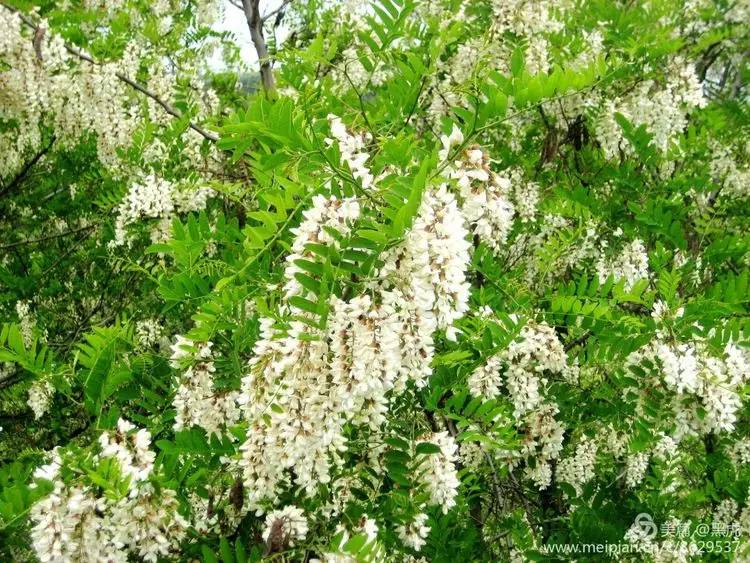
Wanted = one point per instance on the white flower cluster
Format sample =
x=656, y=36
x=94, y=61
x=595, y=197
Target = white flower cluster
x=156, y=198
x=537, y=352
x=302, y=391
x=665, y=454
x=531, y=21
x=352, y=149
x=130, y=449
x=666, y=448
x=291, y=424
x=739, y=453
x=285, y=527
x=27, y=322
x=706, y=387
x=40, y=396
x=612, y=441
x=726, y=512
x=527, y=359
x=311, y=397
x=728, y=173
x=635, y=468
x=295, y=414
x=67, y=523
x=526, y=196
x=578, y=468
x=680, y=366
x=430, y=266
x=366, y=360
x=486, y=380
x=526, y=363
x=484, y=194
x=196, y=400
x=325, y=213
x=630, y=265
x=148, y=332
x=662, y=312
x=542, y=440
x=43, y=84
x=414, y=534
x=72, y=524
x=437, y=472
x=80, y=98
x=149, y=523
x=662, y=108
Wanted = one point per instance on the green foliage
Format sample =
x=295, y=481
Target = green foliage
x=615, y=135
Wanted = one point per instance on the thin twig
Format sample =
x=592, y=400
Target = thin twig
x=272, y=13
x=25, y=171
x=42, y=239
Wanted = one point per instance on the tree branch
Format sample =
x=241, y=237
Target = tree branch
x=45, y=238
x=272, y=13
x=255, y=24
x=25, y=170
x=132, y=83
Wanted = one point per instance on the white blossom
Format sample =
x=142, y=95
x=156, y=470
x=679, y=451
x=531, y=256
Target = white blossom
x=40, y=396
x=325, y=213
x=578, y=468
x=197, y=402
x=414, y=534
x=438, y=471
x=486, y=379
x=130, y=447
x=635, y=468
x=352, y=150
x=287, y=526
x=631, y=265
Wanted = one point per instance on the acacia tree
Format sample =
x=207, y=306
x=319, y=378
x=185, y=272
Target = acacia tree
x=460, y=281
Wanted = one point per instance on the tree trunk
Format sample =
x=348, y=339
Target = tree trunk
x=255, y=23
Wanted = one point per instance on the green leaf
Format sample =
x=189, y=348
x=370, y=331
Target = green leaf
x=227, y=556
x=208, y=555
x=426, y=448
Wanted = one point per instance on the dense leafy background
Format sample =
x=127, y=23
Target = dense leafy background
x=581, y=105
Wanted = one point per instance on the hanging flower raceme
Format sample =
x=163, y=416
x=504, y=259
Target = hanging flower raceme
x=706, y=387
x=438, y=472
x=156, y=198
x=353, y=151
x=75, y=522
x=284, y=527
x=302, y=392
x=483, y=193
x=527, y=359
x=197, y=401
x=522, y=369
x=130, y=449
x=630, y=266
x=578, y=468
x=325, y=213
x=429, y=267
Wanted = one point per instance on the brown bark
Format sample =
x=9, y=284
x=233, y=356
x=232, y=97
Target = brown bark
x=255, y=24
